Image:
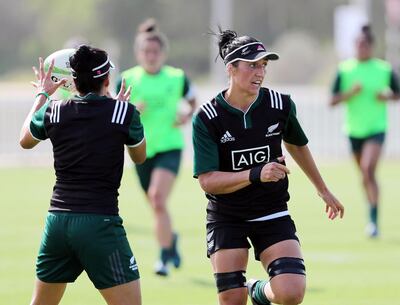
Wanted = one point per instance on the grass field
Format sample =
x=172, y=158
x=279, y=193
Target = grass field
x=343, y=266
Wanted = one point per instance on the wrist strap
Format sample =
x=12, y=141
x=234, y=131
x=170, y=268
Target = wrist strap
x=43, y=93
x=255, y=173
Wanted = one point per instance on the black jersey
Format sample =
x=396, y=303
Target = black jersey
x=228, y=139
x=88, y=136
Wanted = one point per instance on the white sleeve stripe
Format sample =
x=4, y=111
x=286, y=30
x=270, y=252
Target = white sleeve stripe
x=124, y=112
x=58, y=111
x=205, y=111
x=137, y=144
x=212, y=108
x=51, y=113
x=119, y=112
x=206, y=107
x=115, y=112
x=276, y=99
x=271, y=98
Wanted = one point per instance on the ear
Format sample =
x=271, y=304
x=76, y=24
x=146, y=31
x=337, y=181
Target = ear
x=230, y=68
x=107, y=81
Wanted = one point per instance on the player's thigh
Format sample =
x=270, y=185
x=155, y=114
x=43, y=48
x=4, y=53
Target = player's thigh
x=125, y=294
x=371, y=153
x=56, y=262
x=165, y=169
x=102, y=247
x=47, y=293
x=229, y=260
x=161, y=183
x=229, y=266
x=285, y=278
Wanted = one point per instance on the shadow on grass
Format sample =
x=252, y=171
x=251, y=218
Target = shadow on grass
x=202, y=282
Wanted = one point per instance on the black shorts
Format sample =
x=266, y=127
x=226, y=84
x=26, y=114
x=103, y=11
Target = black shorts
x=262, y=234
x=169, y=160
x=358, y=143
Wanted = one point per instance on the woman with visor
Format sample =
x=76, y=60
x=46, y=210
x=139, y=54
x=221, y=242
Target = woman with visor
x=238, y=160
x=83, y=231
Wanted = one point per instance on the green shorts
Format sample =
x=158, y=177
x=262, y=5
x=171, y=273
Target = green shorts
x=169, y=160
x=75, y=242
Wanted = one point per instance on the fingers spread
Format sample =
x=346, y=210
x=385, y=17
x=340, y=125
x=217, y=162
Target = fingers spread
x=48, y=74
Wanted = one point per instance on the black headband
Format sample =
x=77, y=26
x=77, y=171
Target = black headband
x=249, y=52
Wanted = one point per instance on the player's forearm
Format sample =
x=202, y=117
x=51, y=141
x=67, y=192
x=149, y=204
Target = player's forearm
x=303, y=157
x=340, y=97
x=217, y=182
x=25, y=138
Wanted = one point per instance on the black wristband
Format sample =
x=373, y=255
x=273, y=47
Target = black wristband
x=255, y=173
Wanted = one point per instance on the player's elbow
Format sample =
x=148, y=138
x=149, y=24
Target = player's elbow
x=26, y=143
x=140, y=159
x=333, y=101
x=207, y=184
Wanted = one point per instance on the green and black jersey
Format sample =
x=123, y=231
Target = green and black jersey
x=88, y=135
x=230, y=140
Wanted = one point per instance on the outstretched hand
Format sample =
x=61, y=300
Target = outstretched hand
x=124, y=93
x=333, y=207
x=44, y=82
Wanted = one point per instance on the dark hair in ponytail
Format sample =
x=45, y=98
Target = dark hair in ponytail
x=148, y=30
x=82, y=62
x=229, y=41
x=367, y=33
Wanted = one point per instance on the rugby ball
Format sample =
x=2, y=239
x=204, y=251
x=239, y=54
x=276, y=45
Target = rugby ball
x=61, y=67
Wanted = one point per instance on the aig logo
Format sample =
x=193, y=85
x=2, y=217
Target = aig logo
x=246, y=157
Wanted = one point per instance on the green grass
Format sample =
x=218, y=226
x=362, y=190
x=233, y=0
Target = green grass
x=343, y=266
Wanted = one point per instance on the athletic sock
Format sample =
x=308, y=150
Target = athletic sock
x=174, y=253
x=164, y=255
x=259, y=294
x=373, y=214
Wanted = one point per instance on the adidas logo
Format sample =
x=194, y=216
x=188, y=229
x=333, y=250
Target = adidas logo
x=227, y=137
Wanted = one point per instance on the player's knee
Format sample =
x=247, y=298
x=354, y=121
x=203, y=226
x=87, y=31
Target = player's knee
x=367, y=172
x=288, y=293
x=230, y=280
x=233, y=297
x=157, y=200
x=291, y=295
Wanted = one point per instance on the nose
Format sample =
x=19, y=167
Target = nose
x=260, y=71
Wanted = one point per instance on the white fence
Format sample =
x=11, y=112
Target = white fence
x=323, y=125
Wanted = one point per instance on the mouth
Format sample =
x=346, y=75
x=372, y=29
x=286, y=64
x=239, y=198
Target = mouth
x=257, y=83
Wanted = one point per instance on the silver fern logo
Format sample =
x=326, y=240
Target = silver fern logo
x=271, y=129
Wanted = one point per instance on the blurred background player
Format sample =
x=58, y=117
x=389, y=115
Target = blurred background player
x=158, y=90
x=364, y=85
x=83, y=230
